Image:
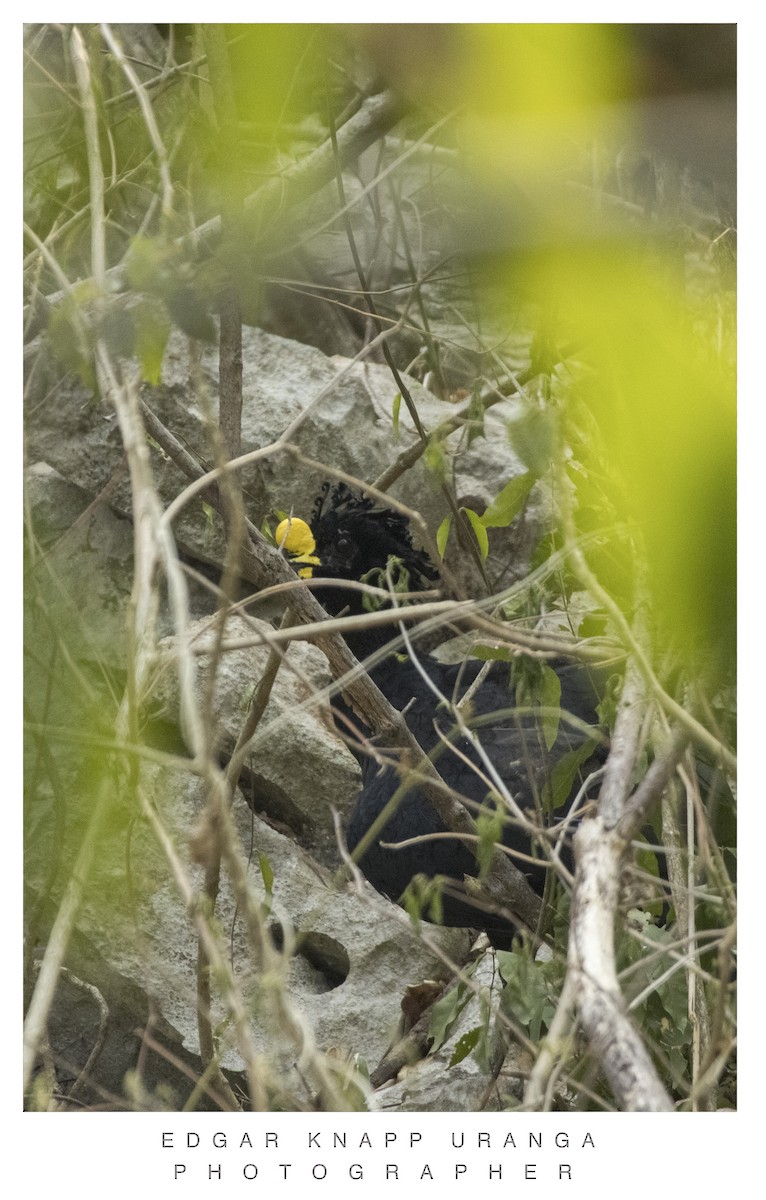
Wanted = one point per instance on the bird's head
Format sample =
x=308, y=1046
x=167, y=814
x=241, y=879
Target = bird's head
x=352, y=537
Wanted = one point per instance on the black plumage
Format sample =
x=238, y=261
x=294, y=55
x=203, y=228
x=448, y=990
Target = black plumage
x=355, y=539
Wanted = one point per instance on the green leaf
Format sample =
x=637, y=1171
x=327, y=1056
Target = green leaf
x=475, y=416
x=550, y=699
x=465, y=1045
x=268, y=882
x=607, y=706
x=526, y=679
x=67, y=338
x=149, y=263
x=562, y=775
x=423, y=897
x=531, y=989
x=152, y=330
x=647, y=861
x=434, y=903
x=435, y=459
x=397, y=406
x=489, y=826
x=446, y=1011
x=493, y=653
x=666, y=1006
x=442, y=533
x=509, y=501
x=266, y=872
x=533, y=437
x=479, y=530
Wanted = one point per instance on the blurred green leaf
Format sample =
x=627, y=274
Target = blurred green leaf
x=447, y=1009
x=435, y=459
x=533, y=436
x=267, y=875
x=71, y=339
x=664, y=411
x=508, y=503
x=397, y=406
x=493, y=653
x=152, y=331
x=531, y=989
x=422, y=898
x=558, y=786
x=465, y=1044
x=151, y=264
x=479, y=530
x=489, y=826
x=550, y=699
x=606, y=709
x=475, y=416
x=442, y=534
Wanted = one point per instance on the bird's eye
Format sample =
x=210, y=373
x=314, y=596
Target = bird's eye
x=343, y=544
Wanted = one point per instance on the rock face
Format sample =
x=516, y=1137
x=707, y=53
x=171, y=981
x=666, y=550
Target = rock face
x=297, y=768
x=335, y=411
x=353, y=953
x=133, y=951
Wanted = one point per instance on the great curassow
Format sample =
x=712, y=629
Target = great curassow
x=540, y=763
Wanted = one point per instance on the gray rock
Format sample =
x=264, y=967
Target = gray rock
x=83, y=561
x=355, y=954
x=283, y=382
x=298, y=768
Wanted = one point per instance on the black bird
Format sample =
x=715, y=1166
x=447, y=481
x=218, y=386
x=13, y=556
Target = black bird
x=540, y=763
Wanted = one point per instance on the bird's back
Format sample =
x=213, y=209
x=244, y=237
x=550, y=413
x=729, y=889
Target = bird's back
x=513, y=755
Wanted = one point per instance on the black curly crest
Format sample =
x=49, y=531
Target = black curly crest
x=355, y=535
x=343, y=499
